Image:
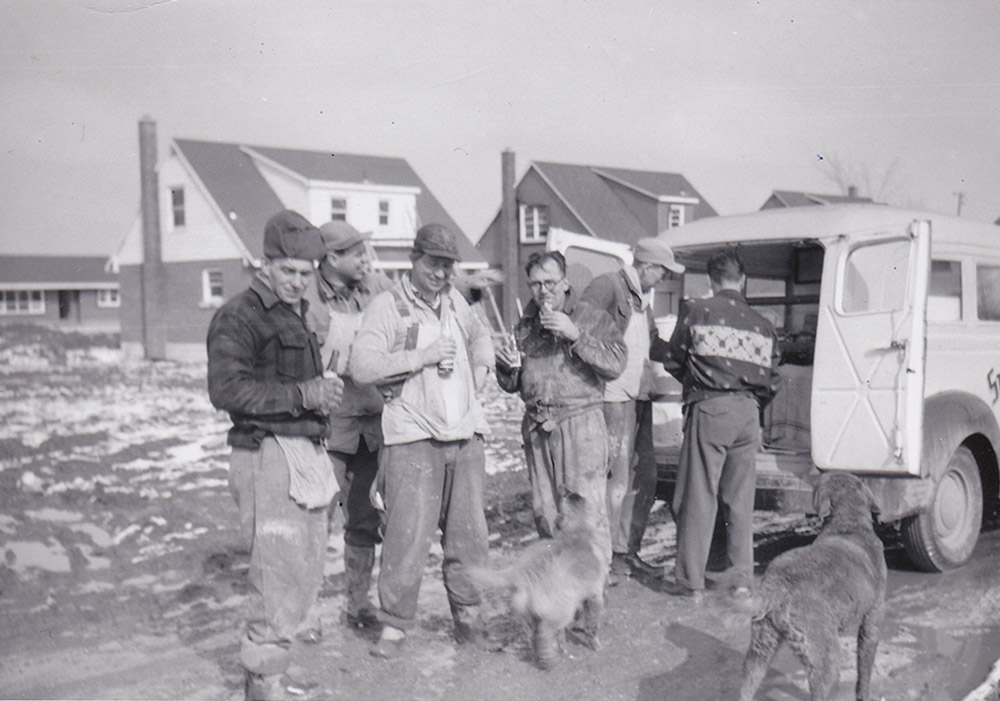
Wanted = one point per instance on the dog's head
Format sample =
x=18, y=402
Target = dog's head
x=574, y=512
x=836, y=488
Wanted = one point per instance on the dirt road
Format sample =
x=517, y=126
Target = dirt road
x=121, y=575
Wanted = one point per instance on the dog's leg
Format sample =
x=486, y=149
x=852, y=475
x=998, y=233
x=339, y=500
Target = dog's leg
x=868, y=633
x=592, y=611
x=546, y=643
x=764, y=643
x=818, y=653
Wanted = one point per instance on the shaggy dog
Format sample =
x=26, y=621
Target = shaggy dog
x=811, y=595
x=555, y=578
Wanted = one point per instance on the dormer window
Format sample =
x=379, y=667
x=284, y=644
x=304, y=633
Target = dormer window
x=338, y=209
x=675, y=216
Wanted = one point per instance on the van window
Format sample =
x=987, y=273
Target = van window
x=988, y=292
x=875, y=277
x=944, y=295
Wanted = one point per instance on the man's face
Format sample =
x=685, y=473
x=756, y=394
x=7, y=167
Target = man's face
x=289, y=278
x=351, y=264
x=548, y=284
x=431, y=274
x=650, y=275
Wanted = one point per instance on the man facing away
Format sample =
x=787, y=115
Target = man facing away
x=430, y=353
x=344, y=287
x=625, y=295
x=727, y=354
x=566, y=349
x=264, y=368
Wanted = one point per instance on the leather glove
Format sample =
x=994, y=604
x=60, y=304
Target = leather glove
x=321, y=394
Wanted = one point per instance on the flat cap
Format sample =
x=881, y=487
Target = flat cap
x=437, y=240
x=339, y=236
x=656, y=251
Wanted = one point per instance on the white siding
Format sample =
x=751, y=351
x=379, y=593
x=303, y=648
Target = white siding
x=289, y=190
x=363, y=208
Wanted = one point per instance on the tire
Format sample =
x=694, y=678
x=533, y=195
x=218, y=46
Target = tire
x=942, y=536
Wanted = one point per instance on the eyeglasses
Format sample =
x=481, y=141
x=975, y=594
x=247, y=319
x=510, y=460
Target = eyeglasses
x=549, y=285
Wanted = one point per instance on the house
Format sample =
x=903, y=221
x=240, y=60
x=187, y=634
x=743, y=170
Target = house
x=615, y=204
x=789, y=198
x=60, y=291
x=214, y=200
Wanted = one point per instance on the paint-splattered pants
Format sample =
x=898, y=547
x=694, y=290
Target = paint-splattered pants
x=287, y=545
x=631, y=472
x=428, y=485
x=717, y=464
x=572, y=456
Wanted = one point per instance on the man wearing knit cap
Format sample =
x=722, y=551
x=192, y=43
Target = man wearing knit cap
x=430, y=353
x=626, y=296
x=265, y=369
x=345, y=286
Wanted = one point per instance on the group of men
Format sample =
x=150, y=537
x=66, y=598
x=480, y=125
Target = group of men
x=357, y=384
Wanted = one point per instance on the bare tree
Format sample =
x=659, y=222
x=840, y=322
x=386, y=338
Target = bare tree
x=852, y=177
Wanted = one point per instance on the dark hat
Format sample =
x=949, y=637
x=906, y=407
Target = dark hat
x=657, y=252
x=339, y=236
x=437, y=240
x=290, y=235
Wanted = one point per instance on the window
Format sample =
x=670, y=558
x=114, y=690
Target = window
x=534, y=222
x=875, y=277
x=21, y=302
x=177, y=205
x=211, y=287
x=988, y=292
x=675, y=216
x=944, y=294
x=338, y=209
x=383, y=212
x=108, y=298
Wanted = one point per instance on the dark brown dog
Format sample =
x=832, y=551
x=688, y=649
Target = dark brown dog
x=555, y=578
x=811, y=595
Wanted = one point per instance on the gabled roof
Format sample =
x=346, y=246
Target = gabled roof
x=790, y=198
x=589, y=192
x=229, y=173
x=55, y=272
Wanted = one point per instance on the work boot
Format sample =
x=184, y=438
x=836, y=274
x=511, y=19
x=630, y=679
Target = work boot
x=470, y=629
x=358, y=563
x=638, y=566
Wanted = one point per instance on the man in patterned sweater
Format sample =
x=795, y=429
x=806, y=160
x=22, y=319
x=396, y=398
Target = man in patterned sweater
x=727, y=355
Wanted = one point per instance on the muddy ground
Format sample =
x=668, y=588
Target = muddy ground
x=122, y=576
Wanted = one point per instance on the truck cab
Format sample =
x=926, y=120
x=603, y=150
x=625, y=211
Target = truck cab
x=889, y=331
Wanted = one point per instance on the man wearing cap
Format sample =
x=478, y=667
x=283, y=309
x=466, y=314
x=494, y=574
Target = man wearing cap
x=566, y=350
x=430, y=354
x=264, y=368
x=343, y=289
x=626, y=296
x=726, y=357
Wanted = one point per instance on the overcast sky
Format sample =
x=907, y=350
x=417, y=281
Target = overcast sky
x=741, y=97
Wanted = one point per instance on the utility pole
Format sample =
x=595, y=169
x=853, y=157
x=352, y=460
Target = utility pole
x=961, y=199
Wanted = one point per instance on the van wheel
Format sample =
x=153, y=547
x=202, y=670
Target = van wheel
x=942, y=537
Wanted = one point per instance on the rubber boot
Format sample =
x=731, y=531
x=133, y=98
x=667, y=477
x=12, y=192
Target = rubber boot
x=358, y=563
x=469, y=628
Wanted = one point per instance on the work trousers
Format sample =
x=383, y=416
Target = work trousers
x=572, y=457
x=362, y=518
x=631, y=472
x=427, y=485
x=717, y=464
x=287, y=545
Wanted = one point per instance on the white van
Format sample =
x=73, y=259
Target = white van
x=889, y=322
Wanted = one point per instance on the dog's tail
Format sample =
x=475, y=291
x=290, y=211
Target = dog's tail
x=489, y=579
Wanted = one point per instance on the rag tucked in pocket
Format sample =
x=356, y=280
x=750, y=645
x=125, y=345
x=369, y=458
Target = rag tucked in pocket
x=311, y=482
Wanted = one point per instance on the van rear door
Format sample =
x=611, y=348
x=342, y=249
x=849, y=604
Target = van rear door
x=868, y=382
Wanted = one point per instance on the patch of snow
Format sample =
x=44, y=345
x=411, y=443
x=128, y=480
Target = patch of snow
x=21, y=556
x=98, y=535
x=55, y=515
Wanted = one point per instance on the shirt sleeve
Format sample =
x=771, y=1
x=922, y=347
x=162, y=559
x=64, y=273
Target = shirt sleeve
x=232, y=386
x=600, y=344
x=372, y=358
